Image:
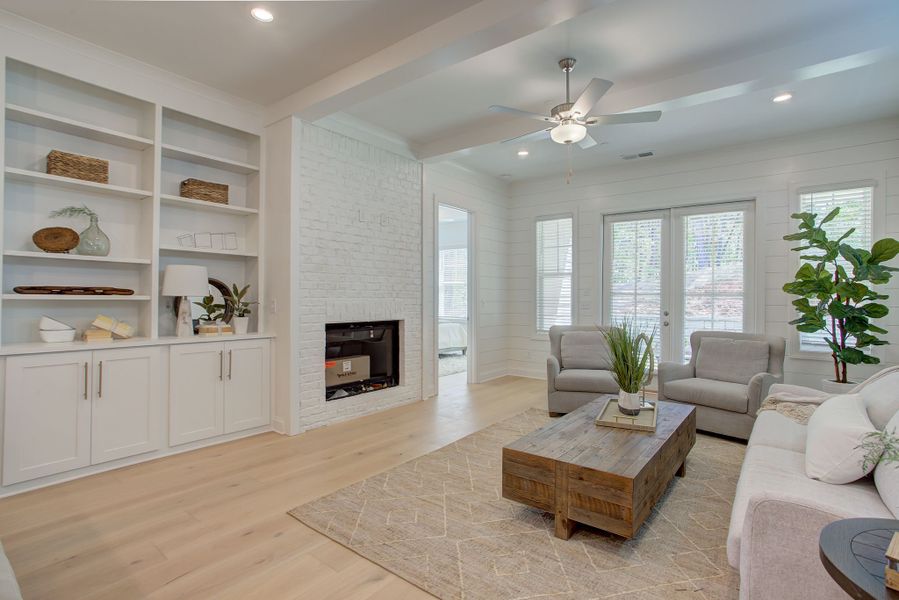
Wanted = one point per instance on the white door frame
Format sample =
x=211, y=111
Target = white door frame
x=471, y=352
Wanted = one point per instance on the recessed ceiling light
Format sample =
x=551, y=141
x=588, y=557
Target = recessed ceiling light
x=782, y=97
x=261, y=14
x=523, y=153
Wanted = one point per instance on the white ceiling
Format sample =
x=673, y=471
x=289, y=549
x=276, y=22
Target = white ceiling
x=219, y=44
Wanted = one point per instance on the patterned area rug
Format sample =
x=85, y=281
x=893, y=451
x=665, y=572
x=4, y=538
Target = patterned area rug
x=440, y=522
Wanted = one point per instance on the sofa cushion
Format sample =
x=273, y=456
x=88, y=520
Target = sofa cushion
x=724, y=359
x=782, y=472
x=778, y=431
x=886, y=475
x=833, y=448
x=584, y=350
x=586, y=380
x=881, y=395
x=725, y=395
x=9, y=587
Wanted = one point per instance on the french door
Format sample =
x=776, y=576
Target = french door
x=676, y=271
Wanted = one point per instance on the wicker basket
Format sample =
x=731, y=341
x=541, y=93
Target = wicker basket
x=78, y=167
x=204, y=190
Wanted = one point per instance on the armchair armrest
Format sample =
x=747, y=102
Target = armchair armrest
x=779, y=549
x=671, y=371
x=552, y=371
x=758, y=389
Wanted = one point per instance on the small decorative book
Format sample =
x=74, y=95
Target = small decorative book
x=891, y=570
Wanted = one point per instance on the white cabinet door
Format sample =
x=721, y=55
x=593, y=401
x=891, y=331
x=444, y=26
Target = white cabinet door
x=247, y=382
x=196, y=373
x=127, y=397
x=47, y=421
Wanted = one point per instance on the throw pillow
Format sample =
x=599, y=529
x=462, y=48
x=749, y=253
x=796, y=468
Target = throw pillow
x=834, y=450
x=881, y=394
x=886, y=475
x=736, y=361
x=584, y=350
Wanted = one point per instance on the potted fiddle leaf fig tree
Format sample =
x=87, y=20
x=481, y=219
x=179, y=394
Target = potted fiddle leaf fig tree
x=836, y=293
x=632, y=361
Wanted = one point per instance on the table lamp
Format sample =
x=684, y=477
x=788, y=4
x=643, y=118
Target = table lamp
x=185, y=281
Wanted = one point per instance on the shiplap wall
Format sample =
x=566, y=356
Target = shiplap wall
x=769, y=172
x=487, y=200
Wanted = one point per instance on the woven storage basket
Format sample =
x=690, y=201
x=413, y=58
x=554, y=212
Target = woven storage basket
x=77, y=166
x=204, y=190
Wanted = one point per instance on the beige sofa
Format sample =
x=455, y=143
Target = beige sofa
x=778, y=511
x=727, y=383
x=9, y=587
x=577, y=370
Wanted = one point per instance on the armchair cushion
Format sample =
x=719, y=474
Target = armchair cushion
x=724, y=395
x=584, y=350
x=586, y=380
x=736, y=361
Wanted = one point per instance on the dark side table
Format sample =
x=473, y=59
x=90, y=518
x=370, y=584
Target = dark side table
x=853, y=553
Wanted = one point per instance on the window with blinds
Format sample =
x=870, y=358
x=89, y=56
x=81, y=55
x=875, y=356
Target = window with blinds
x=856, y=210
x=555, y=263
x=452, y=284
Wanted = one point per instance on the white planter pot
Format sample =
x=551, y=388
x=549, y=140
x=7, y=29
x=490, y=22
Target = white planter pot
x=629, y=402
x=832, y=387
x=240, y=325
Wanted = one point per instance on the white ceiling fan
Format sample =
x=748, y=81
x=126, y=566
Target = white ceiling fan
x=571, y=119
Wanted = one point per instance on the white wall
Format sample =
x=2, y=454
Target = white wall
x=487, y=200
x=768, y=172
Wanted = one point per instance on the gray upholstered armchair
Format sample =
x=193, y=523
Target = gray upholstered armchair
x=577, y=370
x=726, y=379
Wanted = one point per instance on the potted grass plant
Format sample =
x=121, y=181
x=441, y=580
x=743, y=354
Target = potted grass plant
x=632, y=362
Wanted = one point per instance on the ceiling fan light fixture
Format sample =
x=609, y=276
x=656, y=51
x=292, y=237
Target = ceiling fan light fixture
x=568, y=131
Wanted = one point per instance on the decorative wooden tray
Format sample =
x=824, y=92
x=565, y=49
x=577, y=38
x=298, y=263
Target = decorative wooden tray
x=610, y=416
x=72, y=290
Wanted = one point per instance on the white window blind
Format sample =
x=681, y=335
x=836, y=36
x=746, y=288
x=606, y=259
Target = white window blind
x=856, y=210
x=713, y=285
x=554, y=272
x=453, y=284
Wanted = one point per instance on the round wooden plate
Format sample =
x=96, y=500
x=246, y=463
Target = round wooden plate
x=55, y=239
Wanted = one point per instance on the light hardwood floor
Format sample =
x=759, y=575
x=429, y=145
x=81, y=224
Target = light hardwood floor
x=212, y=523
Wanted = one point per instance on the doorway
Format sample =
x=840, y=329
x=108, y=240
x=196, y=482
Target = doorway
x=453, y=292
x=680, y=270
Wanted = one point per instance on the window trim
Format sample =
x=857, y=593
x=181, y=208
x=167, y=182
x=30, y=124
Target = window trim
x=878, y=226
x=544, y=334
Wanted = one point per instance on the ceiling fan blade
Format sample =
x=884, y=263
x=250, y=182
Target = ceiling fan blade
x=595, y=90
x=521, y=113
x=637, y=117
x=529, y=137
x=587, y=142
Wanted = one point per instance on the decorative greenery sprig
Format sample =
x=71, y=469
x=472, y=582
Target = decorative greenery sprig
x=236, y=300
x=631, y=355
x=214, y=311
x=832, y=300
x=880, y=447
x=74, y=211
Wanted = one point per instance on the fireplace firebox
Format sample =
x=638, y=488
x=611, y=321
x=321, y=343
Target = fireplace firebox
x=361, y=357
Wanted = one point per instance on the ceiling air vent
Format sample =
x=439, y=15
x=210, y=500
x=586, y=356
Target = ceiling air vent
x=639, y=155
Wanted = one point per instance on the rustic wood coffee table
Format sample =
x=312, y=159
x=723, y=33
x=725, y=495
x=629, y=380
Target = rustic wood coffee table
x=606, y=477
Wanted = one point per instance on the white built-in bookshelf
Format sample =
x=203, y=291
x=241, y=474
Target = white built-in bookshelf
x=150, y=149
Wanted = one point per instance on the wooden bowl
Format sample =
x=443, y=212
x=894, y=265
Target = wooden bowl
x=55, y=239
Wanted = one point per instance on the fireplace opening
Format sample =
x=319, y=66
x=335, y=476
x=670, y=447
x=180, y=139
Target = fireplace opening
x=361, y=357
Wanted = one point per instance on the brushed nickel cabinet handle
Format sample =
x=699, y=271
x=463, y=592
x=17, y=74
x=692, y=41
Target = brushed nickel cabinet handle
x=100, y=384
x=221, y=364
x=230, y=363
x=85, y=381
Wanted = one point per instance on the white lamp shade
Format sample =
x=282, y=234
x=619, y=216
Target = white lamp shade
x=185, y=280
x=568, y=132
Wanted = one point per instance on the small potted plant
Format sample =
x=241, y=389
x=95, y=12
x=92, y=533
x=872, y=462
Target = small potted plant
x=241, y=307
x=214, y=312
x=633, y=363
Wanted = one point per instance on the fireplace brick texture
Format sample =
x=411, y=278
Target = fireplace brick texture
x=360, y=231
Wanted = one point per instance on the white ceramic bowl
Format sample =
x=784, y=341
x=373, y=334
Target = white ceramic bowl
x=51, y=324
x=57, y=335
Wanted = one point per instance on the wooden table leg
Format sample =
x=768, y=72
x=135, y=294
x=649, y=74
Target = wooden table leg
x=564, y=527
x=682, y=470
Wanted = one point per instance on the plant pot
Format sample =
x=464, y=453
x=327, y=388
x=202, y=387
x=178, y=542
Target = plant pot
x=240, y=325
x=832, y=387
x=629, y=403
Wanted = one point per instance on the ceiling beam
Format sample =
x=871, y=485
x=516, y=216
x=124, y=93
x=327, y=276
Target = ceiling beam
x=842, y=50
x=468, y=33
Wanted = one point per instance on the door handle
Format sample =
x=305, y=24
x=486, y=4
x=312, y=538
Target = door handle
x=665, y=323
x=85, y=381
x=230, y=363
x=100, y=384
x=221, y=364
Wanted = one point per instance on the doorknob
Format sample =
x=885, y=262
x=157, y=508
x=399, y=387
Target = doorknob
x=665, y=313
x=665, y=323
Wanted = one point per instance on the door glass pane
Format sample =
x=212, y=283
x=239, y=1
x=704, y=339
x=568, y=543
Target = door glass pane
x=713, y=273
x=635, y=249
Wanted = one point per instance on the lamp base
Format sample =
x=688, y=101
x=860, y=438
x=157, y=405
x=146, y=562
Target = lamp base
x=185, y=324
